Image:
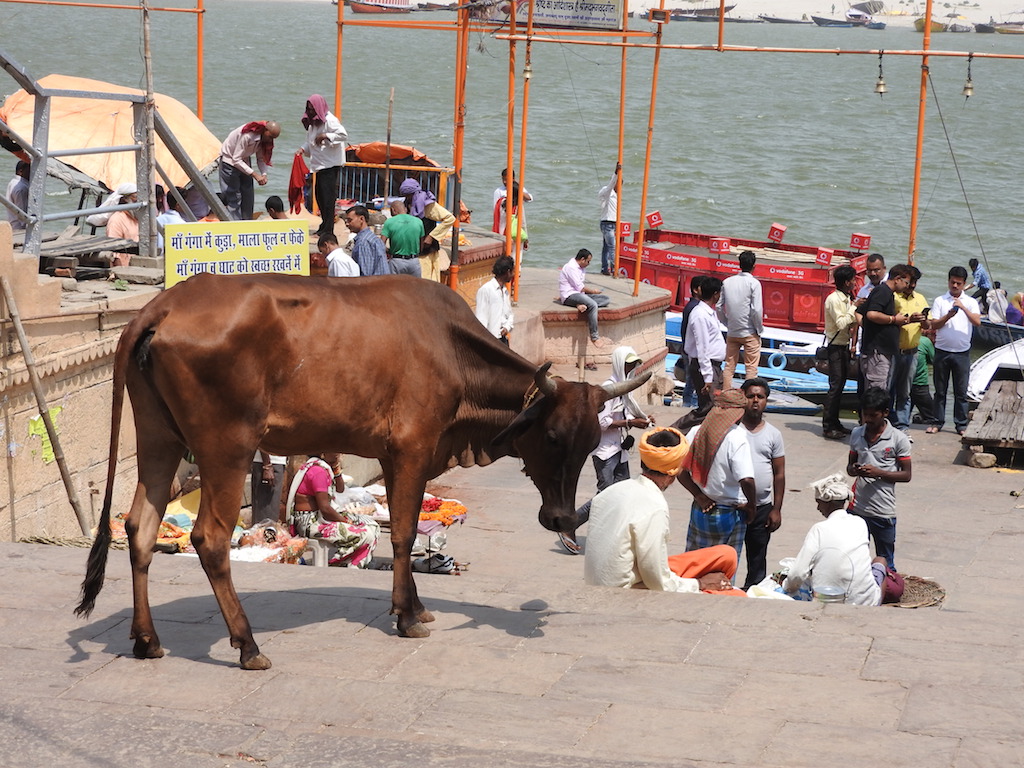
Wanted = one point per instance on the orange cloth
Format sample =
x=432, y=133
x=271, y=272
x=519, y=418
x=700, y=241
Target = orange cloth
x=701, y=562
x=667, y=460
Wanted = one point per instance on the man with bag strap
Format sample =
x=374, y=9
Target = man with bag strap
x=840, y=332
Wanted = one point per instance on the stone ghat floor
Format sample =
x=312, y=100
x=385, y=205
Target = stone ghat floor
x=529, y=667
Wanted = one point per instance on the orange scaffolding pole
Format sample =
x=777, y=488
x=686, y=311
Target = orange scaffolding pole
x=510, y=131
x=337, y=63
x=647, y=158
x=922, y=108
x=527, y=75
x=622, y=140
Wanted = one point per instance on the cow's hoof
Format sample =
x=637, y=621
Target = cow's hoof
x=144, y=649
x=259, y=661
x=425, y=616
x=414, y=630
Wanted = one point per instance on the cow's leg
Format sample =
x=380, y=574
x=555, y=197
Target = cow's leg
x=158, y=458
x=211, y=536
x=405, y=498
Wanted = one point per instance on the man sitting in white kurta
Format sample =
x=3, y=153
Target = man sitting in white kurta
x=627, y=542
x=836, y=554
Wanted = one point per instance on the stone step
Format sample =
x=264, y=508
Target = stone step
x=150, y=262
x=139, y=275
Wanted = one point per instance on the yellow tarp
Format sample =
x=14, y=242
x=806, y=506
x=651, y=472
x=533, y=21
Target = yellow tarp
x=77, y=123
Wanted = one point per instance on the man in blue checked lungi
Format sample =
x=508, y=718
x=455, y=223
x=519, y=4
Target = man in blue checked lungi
x=719, y=472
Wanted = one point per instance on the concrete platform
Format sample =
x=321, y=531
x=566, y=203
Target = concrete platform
x=529, y=667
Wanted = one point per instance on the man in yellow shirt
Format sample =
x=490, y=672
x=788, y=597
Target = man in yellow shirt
x=913, y=304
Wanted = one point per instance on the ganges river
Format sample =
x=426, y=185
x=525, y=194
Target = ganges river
x=741, y=140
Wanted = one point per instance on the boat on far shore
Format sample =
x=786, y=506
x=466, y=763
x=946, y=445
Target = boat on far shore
x=937, y=26
x=779, y=20
x=822, y=21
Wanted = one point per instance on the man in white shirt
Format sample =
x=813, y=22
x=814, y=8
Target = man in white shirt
x=740, y=308
x=836, y=554
x=17, y=193
x=719, y=474
x=573, y=292
x=627, y=543
x=493, y=302
x=954, y=315
x=705, y=346
x=608, y=199
x=339, y=263
x=325, y=148
x=236, y=174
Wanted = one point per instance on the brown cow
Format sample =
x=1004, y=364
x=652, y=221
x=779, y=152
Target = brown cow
x=391, y=368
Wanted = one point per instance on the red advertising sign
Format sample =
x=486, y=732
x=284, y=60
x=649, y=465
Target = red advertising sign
x=776, y=233
x=824, y=256
x=719, y=245
x=625, y=229
x=859, y=264
x=860, y=242
x=654, y=219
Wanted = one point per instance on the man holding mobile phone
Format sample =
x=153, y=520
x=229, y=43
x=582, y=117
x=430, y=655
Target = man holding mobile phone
x=915, y=306
x=953, y=330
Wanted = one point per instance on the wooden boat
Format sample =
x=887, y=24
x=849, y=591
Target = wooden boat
x=821, y=21
x=383, y=6
x=1010, y=29
x=1000, y=364
x=875, y=25
x=959, y=27
x=711, y=10
x=986, y=29
x=937, y=26
x=992, y=334
x=779, y=20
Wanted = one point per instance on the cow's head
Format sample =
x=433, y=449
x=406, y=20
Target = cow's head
x=554, y=434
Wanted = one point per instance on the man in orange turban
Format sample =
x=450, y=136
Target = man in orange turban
x=627, y=542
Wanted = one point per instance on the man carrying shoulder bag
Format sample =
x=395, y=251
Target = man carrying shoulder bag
x=841, y=332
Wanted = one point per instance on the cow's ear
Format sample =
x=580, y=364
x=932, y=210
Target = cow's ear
x=503, y=440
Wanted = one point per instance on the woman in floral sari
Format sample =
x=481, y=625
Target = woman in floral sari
x=312, y=514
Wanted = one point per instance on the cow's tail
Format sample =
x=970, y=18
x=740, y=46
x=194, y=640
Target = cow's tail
x=97, y=566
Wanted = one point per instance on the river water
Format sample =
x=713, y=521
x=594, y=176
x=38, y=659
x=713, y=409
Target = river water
x=741, y=140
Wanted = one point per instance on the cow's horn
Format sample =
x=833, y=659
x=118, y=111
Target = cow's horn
x=545, y=384
x=619, y=388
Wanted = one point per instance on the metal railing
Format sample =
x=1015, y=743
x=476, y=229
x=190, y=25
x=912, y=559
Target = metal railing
x=367, y=181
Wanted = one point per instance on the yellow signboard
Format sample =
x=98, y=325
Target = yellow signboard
x=235, y=248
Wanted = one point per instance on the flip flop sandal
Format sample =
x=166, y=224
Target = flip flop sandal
x=568, y=544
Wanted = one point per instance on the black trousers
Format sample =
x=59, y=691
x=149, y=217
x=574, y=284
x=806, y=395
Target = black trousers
x=838, y=371
x=755, y=543
x=328, y=182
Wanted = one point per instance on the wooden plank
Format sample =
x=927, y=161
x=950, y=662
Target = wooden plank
x=999, y=420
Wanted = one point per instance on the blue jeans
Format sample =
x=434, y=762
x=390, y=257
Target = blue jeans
x=607, y=247
x=959, y=365
x=592, y=302
x=882, y=531
x=904, y=368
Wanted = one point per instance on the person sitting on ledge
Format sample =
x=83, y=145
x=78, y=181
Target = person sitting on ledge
x=574, y=293
x=627, y=543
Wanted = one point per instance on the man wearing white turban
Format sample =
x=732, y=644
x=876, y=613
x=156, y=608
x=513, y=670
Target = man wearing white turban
x=836, y=554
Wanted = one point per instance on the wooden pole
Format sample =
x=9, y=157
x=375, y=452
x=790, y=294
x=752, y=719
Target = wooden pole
x=922, y=109
x=387, y=152
x=150, y=229
x=200, y=14
x=44, y=411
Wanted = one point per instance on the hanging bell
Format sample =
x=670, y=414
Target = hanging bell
x=880, y=87
x=968, y=90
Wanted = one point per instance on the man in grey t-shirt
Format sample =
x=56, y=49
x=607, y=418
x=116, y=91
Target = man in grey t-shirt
x=879, y=458
x=768, y=452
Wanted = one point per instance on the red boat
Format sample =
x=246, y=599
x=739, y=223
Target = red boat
x=794, y=281
x=381, y=7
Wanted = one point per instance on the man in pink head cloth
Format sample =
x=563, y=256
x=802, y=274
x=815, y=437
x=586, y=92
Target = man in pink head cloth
x=236, y=174
x=325, y=148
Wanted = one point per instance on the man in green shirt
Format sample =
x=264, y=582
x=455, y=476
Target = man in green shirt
x=403, y=235
x=920, y=390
